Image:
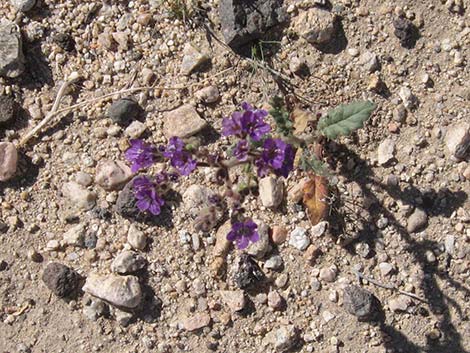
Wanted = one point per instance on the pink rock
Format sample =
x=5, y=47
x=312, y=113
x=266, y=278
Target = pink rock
x=279, y=235
x=8, y=160
x=196, y=322
x=112, y=174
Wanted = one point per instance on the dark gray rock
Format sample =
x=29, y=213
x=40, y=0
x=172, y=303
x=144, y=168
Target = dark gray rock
x=7, y=108
x=244, y=21
x=60, y=279
x=126, y=202
x=248, y=273
x=360, y=303
x=406, y=32
x=124, y=110
x=11, y=50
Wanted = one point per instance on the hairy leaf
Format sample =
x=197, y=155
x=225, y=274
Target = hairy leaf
x=280, y=114
x=315, y=195
x=345, y=119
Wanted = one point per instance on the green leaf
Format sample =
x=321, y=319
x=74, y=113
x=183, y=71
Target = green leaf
x=345, y=119
x=281, y=116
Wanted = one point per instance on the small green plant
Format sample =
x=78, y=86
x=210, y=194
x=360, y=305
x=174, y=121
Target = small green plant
x=180, y=9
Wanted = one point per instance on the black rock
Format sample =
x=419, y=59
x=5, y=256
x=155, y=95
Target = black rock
x=126, y=202
x=124, y=111
x=7, y=108
x=406, y=31
x=3, y=265
x=249, y=273
x=90, y=240
x=60, y=279
x=65, y=41
x=361, y=303
x=243, y=21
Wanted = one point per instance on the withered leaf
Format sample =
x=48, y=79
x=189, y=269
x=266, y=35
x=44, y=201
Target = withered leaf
x=315, y=198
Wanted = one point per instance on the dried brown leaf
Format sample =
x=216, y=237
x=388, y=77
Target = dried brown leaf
x=315, y=198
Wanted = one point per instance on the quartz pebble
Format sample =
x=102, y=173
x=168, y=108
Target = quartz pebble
x=136, y=238
x=234, y=299
x=316, y=25
x=111, y=175
x=386, y=151
x=457, y=140
x=275, y=262
x=122, y=291
x=8, y=160
x=135, y=129
x=283, y=339
x=400, y=303
x=78, y=196
x=299, y=239
x=196, y=322
x=271, y=191
x=328, y=274
x=75, y=236
x=275, y=300
x=193, y=59
x=386, y=268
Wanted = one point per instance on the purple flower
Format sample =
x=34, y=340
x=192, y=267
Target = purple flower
x=140, y=154
x=241, y=150
x=243, y=232
x=179, y=158
x=146, y=194
x=277, y=156
x=250, y=122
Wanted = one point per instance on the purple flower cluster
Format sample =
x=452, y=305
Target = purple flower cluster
x=179, y=158
x=140, y=154
x=248, y=123
x=243, y=232
x=145, y=191
x=277, y=156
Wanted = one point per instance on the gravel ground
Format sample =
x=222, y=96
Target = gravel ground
x=400, y=216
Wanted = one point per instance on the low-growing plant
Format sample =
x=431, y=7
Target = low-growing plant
x=260, y=148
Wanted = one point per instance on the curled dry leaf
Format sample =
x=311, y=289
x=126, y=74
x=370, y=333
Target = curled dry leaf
x=315, y=198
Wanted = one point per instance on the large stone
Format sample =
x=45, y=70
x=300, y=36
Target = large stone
x=7, y=108
x=23, y=5
x=316, y=25
x=121, y=291
x=111, y=175
x=60, y=279
x=78, y=196
x=458, y=140
x=8, y=160
x=244, y=21
x=271, y=191
x=193, y=59
x=75, y=236
x=136, y=238
x=299, y=239
x=128, y=262
x=11, y=51
x=183, y=122
x=360, y=303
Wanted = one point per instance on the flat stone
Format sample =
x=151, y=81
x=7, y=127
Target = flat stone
x=136, y=238
x=299, y=239
x=75, y=236
x=369, y=62
x=457, y=140
x=112, y=175
x=417, y=221
x=7, y=109
x=60, y=279
x=193, y=59
x=208, y=94
x=260, y=248
x=234, y=299
x=386, y=151
x=78, y=196
x=11, y=50
x=315, y=25
x=183, y=122
x=8, y=160
x=128, y=262
x=360, y=303
x=243, y=22
x=196, y=322
x=121, y=291
x=126, y=202
x=271, y=191
x=400, y=303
